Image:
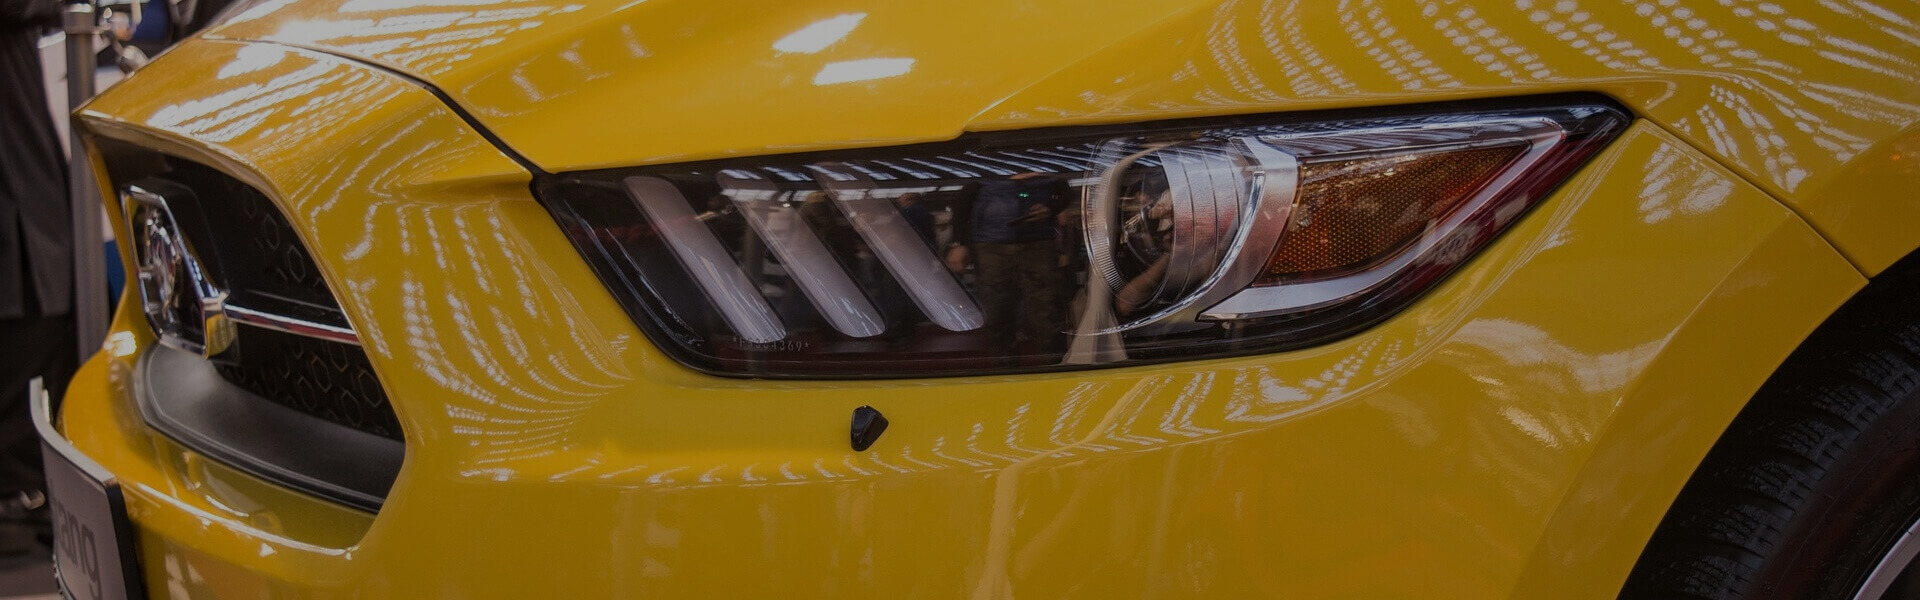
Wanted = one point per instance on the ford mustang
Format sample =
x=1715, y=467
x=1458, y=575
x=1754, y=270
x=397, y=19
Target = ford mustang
x=1127, y=298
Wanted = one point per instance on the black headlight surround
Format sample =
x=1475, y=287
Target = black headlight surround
x=629, y=255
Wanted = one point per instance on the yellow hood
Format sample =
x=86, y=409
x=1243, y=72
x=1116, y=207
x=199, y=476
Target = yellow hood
x=574, y=85
x=577, y=85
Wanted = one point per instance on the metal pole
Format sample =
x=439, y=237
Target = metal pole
x=81, y=23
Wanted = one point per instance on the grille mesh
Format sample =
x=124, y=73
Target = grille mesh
x=256, y=256
x=260, y=258
x=328, y=380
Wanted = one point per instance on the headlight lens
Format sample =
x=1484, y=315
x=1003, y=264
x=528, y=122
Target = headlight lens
x=987, y=255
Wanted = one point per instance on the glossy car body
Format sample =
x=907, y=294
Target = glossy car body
x=1519, y=431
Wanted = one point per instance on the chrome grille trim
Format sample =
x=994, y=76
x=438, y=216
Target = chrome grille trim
x=295, y=326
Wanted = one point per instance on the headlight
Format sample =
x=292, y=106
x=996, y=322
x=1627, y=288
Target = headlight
x=1073, y=249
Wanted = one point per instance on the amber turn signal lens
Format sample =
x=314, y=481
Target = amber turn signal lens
x=1356, y=212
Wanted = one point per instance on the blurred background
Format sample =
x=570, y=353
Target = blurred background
x=58, y=279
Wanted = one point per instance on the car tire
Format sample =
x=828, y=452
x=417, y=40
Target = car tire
x=1815, y=483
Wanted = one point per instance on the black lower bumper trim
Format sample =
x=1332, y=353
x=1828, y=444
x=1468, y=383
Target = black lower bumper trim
x=182, y=396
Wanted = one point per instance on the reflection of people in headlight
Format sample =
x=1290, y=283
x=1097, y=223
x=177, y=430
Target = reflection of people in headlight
x=1139, y=290
x=916, y=215
x=1150, y=234
x=1008, y=230
x=833, y=229
x=724, y=218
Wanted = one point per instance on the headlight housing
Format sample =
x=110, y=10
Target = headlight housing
x=1074, y=248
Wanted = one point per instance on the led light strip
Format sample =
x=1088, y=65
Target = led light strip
x=710, y=264
x=924, y=275
x=806, y=258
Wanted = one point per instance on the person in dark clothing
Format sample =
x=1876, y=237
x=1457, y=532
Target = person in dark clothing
x=37, y=334
x=915, y=212
x=1008, y=232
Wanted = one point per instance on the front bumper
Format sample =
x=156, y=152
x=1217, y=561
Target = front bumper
x=1518, y=431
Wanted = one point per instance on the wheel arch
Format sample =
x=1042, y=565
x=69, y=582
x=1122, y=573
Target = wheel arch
x=1817, y=464
x=1663, y=429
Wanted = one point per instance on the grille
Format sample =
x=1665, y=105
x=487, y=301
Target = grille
x=327, y=380
x=254, y=254
x=288, y=395
x=258, y=258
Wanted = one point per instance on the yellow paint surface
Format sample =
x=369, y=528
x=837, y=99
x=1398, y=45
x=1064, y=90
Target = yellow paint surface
x=1519, y=431
x=1815, y=102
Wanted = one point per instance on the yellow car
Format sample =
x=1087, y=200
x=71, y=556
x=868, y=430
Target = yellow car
x=994, y=299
